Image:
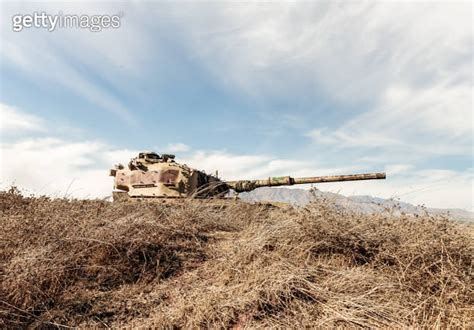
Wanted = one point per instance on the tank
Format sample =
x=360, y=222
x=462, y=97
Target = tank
x=150, y=175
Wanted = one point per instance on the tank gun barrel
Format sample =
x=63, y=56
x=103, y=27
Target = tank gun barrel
x=249, y=185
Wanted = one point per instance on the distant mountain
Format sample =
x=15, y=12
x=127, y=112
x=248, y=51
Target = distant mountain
x=362, y=204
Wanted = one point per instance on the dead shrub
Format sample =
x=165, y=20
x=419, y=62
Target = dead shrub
x=214, y=264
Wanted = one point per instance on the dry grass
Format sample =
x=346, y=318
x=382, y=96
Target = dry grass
x=213, y=264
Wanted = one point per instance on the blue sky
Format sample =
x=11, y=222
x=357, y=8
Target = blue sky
x=249, y=89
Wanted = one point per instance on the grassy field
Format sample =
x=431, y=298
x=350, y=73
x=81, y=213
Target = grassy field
x=232, y=265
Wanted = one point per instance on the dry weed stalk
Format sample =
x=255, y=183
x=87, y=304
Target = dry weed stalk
x=211, y=264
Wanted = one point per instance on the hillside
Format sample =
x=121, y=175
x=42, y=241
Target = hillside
x=361, y=204
x=228, y=264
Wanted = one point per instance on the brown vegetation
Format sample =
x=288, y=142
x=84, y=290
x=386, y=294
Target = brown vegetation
x=213, y=264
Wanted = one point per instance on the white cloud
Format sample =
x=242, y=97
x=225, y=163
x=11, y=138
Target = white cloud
x=177, y=147
x=398, y=168
x=249, y=167
x=444, y=109
x=14, y=121
x=56, y=167
x=345, y=138
x=415, y=117
x=426, y=121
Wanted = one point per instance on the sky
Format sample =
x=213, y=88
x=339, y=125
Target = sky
x=252, y=90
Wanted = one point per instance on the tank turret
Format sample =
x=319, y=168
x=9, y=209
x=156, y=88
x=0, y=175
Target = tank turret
x=150, y=175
